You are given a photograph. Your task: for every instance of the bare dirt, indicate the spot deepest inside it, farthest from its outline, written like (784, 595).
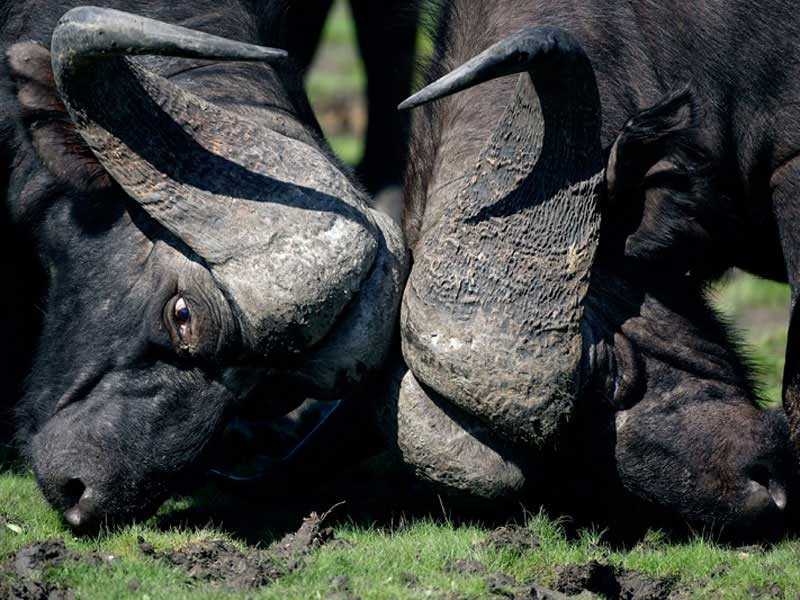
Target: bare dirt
(22, 575)
(594, 580)
(465, 567)
(500, 585)
(612, 583)
(221, 564)
(767, 591)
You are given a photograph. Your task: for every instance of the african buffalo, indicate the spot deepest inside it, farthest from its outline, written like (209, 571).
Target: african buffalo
(202, 247)
(536, 323)
(203, 251)
(727, 197)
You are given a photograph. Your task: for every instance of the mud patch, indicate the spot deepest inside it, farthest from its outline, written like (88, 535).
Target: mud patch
(295, 547)
(22, 575)
(640, 586)
(409, 580)
(500, 585)
(613, 584)
(594, 577)
(767, 591)
(218, 562)
(221, 564)
(28, 589)
(511, 537)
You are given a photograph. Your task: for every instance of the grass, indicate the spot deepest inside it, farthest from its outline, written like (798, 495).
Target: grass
(377, 559)
(378, 562)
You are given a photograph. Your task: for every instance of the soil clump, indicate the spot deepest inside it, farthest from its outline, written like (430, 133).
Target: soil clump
(222, 564)
(22, 575)
(612, 583)
(511, 537)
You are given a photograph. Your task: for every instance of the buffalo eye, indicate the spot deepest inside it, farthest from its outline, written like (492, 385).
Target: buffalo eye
(182, 316)
(182, 324)
(181, 312)
(189, 321)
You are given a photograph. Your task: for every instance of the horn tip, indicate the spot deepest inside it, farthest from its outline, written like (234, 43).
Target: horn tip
(275, 54)
(422, 97)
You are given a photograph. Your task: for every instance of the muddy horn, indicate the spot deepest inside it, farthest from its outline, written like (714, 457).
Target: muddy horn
(491, 316)
(223, 182)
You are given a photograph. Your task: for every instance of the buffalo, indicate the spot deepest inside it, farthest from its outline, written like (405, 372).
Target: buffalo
(724, 197)
(202, 249)
(538, 325)
(204, 254)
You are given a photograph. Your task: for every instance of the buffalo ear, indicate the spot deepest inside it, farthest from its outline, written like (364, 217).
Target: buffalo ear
(649, 138)
(57, 143)
(656, 176)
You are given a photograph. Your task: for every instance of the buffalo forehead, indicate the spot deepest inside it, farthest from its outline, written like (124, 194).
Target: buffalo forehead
(281, 227)
(303, 275)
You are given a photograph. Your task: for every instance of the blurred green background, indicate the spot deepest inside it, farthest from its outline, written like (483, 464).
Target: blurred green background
(336, 85)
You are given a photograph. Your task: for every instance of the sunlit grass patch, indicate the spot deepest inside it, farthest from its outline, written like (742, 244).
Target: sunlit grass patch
(759, 309)
(414, 561)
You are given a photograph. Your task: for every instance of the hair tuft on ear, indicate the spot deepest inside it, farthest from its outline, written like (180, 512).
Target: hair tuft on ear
(662, 201)
(667, 131)
(57, 143)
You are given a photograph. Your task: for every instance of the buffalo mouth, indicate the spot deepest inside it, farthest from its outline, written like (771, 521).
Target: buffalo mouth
(275, 451)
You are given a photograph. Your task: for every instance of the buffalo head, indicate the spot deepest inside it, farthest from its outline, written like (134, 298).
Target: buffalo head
(522, 316)
(200, 255)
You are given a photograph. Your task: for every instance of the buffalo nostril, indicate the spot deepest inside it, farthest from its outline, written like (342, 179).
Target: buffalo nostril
(83, 512)
(778, 494)
(72, 491)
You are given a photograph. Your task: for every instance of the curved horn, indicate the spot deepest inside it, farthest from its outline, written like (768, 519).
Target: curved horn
(276, 221)
(492, 312)
(529, 50)
(87, 33)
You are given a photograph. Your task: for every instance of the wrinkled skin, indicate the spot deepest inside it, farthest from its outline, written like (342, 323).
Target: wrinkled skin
(151, 337)
(661, 399)
(137, 403)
